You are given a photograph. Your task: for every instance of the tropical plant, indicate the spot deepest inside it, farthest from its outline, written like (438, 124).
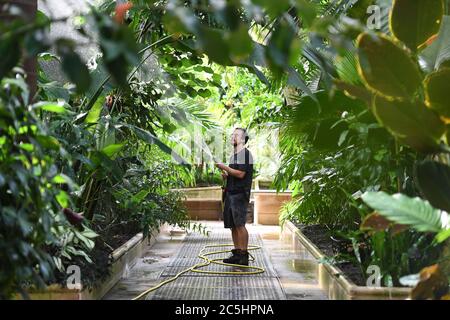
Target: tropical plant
(32, 194)
(407, 98)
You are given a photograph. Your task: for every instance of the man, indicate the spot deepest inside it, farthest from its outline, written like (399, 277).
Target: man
(238, 175)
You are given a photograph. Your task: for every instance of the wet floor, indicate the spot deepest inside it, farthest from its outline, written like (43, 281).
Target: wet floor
(291, 272)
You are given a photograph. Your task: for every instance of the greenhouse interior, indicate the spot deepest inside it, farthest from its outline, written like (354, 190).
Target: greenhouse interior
(218, 151)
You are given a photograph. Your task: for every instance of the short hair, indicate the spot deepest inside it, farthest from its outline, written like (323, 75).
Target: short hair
(246, 137)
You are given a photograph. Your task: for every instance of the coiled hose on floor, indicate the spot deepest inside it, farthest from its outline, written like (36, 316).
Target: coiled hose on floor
(207, 262)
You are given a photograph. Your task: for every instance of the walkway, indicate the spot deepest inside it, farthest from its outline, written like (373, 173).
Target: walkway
(290, 273)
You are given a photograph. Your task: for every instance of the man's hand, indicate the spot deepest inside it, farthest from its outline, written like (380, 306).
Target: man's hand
(221, 166)
(233, 172)
(224, 175)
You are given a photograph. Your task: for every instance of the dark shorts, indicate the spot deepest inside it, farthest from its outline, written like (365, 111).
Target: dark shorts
(235, 210)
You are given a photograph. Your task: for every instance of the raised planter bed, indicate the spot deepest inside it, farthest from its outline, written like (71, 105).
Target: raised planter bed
(122, 260)
(204, 208)
(333, 280)
(204, 203)
(202, 192)
(267, 206)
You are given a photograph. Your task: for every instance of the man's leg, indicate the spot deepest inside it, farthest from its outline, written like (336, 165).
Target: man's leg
(235, 236)
(242, 237)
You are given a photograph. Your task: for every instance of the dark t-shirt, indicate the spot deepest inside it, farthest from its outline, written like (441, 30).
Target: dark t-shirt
(242, 161)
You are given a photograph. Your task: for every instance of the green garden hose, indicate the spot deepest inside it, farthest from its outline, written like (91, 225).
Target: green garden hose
(207, 262)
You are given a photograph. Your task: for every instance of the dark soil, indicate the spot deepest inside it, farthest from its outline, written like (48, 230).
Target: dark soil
(109, 239)
(321, 237)
(118, 235)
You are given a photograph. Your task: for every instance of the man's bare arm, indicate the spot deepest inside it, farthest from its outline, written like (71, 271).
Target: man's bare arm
(235, 173)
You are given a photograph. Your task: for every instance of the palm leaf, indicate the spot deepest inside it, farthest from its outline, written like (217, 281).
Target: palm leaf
(346, 67)
(149, 138)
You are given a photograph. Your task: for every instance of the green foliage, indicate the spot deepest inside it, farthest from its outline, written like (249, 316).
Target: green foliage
(386, 68)
(393, 74)
(144, 197)
(412, 123)
(332, 152)
(414, 22)
(102, 135)
(410, 105)
(400, 254)
(436, 86)
(433, 179)
(31, 189)
(408, 211)
(118, 47)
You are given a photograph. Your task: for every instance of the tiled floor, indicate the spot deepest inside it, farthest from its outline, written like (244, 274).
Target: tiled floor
(290, 273)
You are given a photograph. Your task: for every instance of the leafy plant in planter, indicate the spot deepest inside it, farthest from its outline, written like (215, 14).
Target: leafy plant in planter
(47, 148)
(329, 176)
(409, 99)
(329, 187)
(33, 194)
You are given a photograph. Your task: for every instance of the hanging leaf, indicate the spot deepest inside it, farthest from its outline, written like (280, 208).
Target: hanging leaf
(273, 8)
(152, 139)
(295, 80)
(240, 43)
(433, 180)
(415, 212)
(308, 11)
(63, 199)
(386, 68)
(437, 85)
(94, 113)
(118, 46)
(443, 235)
(415, 21)
(212, 42)
(376, 222)
(50, 107)
(113, 149)
(413, 123)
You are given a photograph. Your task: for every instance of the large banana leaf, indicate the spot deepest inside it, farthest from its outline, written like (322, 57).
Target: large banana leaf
(413, 123)
(415, 22)
(386, 68)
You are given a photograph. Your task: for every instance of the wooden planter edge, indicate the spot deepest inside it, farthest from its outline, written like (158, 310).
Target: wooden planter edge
(126, 254)
(336, 280)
